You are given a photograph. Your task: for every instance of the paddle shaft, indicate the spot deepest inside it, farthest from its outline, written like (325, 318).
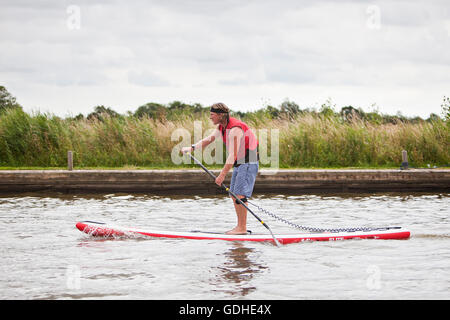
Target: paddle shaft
(234, 196)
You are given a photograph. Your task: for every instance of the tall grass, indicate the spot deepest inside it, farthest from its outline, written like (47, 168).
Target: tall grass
(318, 141)
(307, 140)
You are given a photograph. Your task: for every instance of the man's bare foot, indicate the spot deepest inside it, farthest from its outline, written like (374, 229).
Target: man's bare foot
(236, 231)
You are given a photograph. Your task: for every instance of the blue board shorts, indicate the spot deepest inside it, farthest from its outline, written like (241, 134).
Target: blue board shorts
(243, 179)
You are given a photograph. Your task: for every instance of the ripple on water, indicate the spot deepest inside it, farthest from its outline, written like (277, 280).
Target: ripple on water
(45, 257)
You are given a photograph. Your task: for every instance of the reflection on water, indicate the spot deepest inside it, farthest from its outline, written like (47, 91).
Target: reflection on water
(237, 271)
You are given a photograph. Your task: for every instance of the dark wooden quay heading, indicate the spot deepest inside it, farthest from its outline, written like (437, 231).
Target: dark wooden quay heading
(195, 181)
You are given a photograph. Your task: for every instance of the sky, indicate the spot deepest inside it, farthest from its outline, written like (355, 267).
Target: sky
(66, 57)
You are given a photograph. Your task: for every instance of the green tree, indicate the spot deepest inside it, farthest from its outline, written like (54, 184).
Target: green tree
(7, 101)
(290, 108)
(348, 113)
(273, 112)
(151, 110)
(100, 111)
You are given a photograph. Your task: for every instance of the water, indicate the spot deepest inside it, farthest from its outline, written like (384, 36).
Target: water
(43, 255)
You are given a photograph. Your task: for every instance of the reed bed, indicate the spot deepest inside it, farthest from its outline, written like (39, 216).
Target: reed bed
(308, 140)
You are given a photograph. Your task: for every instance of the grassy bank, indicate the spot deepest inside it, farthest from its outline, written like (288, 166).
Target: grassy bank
(306, 140)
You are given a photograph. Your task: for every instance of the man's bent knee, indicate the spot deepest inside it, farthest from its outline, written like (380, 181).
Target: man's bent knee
(244, 200)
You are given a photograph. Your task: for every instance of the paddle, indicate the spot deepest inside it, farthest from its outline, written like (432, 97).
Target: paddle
(234, 196)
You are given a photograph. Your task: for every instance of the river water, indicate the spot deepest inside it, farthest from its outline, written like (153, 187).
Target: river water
(43, 255)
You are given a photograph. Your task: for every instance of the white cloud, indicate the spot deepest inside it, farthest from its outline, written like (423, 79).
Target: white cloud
(127, 53)
(146, 78)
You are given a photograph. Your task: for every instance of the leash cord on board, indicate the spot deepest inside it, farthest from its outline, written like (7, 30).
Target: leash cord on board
(310, 229)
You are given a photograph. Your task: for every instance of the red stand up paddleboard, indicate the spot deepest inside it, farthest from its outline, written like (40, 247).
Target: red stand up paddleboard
(99, 229)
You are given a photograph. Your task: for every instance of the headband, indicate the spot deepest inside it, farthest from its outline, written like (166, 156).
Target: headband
(215, 110)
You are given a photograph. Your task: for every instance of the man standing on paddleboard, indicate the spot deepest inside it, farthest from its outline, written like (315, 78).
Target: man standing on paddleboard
(242, 149)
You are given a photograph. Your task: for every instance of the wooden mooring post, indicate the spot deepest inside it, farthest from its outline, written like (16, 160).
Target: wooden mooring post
(404, 160)
(69, 160)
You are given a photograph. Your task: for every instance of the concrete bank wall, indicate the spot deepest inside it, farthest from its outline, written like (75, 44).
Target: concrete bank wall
(198, 182)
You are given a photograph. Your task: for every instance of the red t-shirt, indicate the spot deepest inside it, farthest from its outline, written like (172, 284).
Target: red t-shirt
(251, 142)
